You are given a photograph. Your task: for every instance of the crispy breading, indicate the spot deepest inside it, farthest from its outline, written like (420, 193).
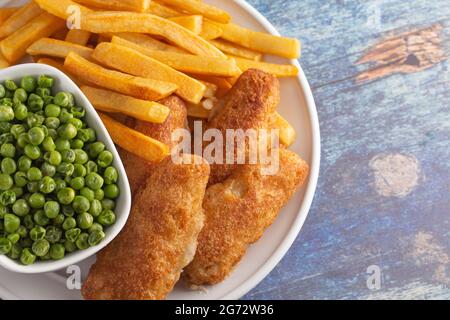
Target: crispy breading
(237, 213)
(159, 239)
(138, 169)
(250, 104)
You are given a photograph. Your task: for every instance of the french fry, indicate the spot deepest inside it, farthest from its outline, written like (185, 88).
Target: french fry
(148, 42)
(57, 48)
(15, 45)
(3, 62)
(197, 111)
(62, 8)
(5, 13)
(110, 101)
(193, 23)
(61, 34)
(210, 31)
(199, 7)
(78, 36)
(135, 142)
(287, 133)
(133, 62)
(20, 18)
(236, 50)
(261, 42)
(279, 70)
(137, 87)
(60, 66)
(162, 11)
(211, 89)
(121, 5)
(104, 22)
(223, 86)
(186, 62)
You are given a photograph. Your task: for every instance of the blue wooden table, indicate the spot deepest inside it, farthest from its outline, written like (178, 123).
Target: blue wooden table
(379, 226)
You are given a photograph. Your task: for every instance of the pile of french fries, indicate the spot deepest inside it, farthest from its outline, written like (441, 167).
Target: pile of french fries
(127, 55)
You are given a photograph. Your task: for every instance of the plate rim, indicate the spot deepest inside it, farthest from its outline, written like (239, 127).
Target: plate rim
(308, 197)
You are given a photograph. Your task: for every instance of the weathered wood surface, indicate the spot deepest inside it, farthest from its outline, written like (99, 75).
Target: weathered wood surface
(379, 71)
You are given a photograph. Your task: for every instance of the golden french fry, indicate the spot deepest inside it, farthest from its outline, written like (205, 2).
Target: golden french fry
(236, 50)
(78, 36)
(133, 62)
(20, 18)
(15, 45)
(279, 70)
(61, 34)
(287, 133)
(57, 48)
(197, 111)
(121, 5)
(141, 88)
(63, 8)
(223, 86)
(135, 142)
(60, 66)
(5, 13)
(261, 42)
(199, 7)
(186, 62)
(148, 42)
(192, 23)
(210, 31)
(110, 101)
(104, 22)
(162, 11)
(3, 62)
(211, 89)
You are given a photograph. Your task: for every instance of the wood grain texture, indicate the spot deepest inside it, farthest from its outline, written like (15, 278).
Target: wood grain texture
(379, 71)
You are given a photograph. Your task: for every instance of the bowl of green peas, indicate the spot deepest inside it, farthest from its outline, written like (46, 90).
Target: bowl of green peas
(64, 193)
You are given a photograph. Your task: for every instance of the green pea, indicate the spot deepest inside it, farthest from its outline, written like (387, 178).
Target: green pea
(65, 116)
(62, 144)
(17, 129)
(69, 223)
(95, 208)
(52, 110)
(37, 233)
(59, 219)
(28, 83)
(111, 191)
(99, 194)
(77, 123)
(65, 168)
(45, 257)
(37, 200)
(82, 241)
(26, 257)
(106, 218)
(96, 148)
(14, 237)
(60, 184)
(51, 209)
(6, 138)
(87, 193)
(33, 186)
(62, 99)
(40, 247)
(94, 181)
(2, 91)
(17, 190)
(20, 95)
(57, 251)
(5, 246)
(8, 150)
(6, 113)
(53, 234)
(21, 208)
(77, 183)
(91, 166)
(7, 197)
(22, 231)
(79, 170)
(47, 185)
(68, 155)
(95, 227)
(48, 144)
(66, 195)
(95, 237)
(73, 234)
(105, 158)
(16, 251)
(78, 112)
(8, 166)
(108, 204)
(81, 156)
(35, 102)
(33, 152)
(24, 163)
(10, 85)
(67, 131)
(21, 112)
(28, 221)
(76, 144)
(68, 210)
(34, 174)
(36, 135)
(7, 101)
(45, 81)
(81, 204)
(11, 223)
(70, 246)
(55, 158)
(84, 135)
(3, 210)
(35, 120)
(48, 170)
(40, 218)
(53, 134)
(44, 93)
(22, 140)
(52, 123)
(6, 182)
(111, 175)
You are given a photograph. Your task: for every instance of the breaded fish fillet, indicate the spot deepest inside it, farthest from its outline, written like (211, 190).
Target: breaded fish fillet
(250, 104)
(237, 213)
(138, 169)
(159, 239)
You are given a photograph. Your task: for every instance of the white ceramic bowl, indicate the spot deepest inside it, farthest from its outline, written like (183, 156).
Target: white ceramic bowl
(123, 203)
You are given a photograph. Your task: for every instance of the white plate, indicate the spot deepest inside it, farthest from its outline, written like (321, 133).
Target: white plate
(297, 105)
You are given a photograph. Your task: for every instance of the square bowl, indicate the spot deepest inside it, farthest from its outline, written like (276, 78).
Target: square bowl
(123, 202)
